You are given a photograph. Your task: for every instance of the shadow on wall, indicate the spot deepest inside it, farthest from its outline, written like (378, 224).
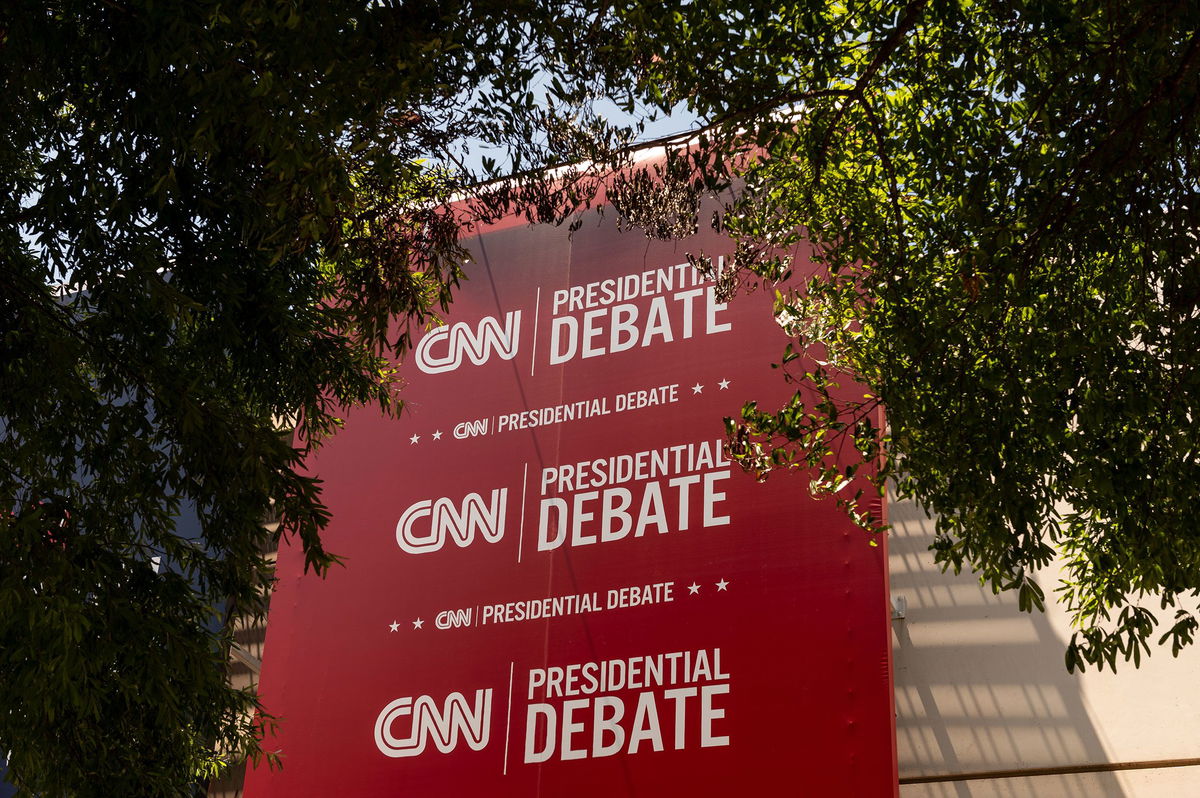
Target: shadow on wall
(980, 686)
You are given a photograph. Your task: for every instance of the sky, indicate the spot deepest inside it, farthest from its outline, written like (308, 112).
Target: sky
(679, 121)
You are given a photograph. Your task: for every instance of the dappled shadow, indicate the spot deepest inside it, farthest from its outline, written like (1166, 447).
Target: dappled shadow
(982, 687)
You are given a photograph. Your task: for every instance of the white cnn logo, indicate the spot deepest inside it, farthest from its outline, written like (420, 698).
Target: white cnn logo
(444, 726)
(476, 345)
(447, 520)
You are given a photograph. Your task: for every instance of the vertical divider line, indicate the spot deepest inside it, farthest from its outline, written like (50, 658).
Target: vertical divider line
(537, 309)
(508, 718)
(521, 527)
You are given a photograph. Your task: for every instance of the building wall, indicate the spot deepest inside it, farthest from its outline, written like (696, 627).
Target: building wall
(985, 706)
(6, 789)
(251, 638)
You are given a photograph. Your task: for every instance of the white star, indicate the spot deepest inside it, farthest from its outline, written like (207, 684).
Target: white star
(723, 384)
(722, 584)
(437, 436)
(415, 438)
(418, 623)
(693, 589)
(697, 388)
(394, 626)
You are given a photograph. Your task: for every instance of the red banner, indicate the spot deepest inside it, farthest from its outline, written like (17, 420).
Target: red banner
(556, 582)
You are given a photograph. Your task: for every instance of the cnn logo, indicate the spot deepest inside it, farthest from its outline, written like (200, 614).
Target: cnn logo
(443, 349)
(426, 525)
(443, 725)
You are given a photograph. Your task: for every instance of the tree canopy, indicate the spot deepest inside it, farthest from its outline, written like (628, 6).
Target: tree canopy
(1004, 198)
(214, 212)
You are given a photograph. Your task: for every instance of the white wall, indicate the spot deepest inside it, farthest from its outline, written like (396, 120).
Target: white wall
(982, 687)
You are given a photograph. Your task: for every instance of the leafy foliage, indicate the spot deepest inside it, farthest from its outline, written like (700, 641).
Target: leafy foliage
(1004, 199)
(217, 221)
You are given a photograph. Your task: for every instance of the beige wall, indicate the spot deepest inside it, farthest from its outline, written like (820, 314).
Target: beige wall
(251, 637)
(982, 687)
